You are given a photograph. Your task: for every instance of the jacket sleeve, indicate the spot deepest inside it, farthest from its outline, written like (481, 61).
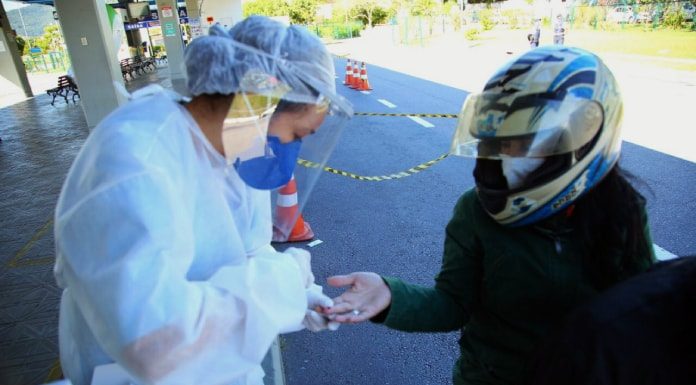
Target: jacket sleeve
(648, 237)
(447, 305)
(124, 253)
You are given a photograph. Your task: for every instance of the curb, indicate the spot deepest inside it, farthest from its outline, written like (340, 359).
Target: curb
(273, 365)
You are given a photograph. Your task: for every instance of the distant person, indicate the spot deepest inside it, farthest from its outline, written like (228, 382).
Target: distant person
(558, 30)
(551, 223)
(641, 331)
(535, 34)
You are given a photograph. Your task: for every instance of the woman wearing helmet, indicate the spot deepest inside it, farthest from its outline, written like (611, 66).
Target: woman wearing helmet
(550, 224)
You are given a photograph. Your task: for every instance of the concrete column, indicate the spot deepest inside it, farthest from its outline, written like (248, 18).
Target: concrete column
(192, 8)
(90, 42)
(11, 66)
(173, 43)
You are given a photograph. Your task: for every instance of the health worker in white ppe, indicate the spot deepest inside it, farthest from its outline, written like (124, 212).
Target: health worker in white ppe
(163, 225)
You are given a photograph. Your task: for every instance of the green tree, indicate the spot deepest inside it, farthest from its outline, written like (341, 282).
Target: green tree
(52, 38)
(423, 7)
(266, 8)
(21, 43)
(303, 11)
(370, 11)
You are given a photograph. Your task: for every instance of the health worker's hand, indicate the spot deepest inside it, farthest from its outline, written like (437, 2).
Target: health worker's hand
(304, 261)
(366, 297)
(316, 322)
(316, 299)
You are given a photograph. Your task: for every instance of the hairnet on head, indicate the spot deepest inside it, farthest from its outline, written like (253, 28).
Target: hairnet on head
(257, 55)
(209, 64)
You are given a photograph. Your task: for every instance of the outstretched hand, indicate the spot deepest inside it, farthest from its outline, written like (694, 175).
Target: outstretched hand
(367, 295)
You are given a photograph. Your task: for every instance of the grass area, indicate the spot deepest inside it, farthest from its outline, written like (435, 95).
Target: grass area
(660, 47)
(637, 40)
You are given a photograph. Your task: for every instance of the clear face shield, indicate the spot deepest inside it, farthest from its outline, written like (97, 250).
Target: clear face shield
(323, 120)
(285, 117)
(245, 127)
(490, 127)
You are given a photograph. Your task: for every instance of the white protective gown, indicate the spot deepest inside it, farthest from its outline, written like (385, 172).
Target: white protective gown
(164, 256)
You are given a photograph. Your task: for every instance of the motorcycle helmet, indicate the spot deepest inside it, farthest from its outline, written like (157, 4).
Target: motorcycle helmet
(545, 130)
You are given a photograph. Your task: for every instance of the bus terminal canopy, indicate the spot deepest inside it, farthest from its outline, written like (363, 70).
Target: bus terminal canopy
(41, 2)
(50, 2)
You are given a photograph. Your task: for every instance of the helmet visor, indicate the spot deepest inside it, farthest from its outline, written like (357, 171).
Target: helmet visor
(494, 126)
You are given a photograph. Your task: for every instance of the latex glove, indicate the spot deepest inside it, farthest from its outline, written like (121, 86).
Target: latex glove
(314, 321)
(304, 260)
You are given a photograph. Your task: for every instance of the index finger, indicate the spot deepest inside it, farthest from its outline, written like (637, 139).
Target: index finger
(341, 280)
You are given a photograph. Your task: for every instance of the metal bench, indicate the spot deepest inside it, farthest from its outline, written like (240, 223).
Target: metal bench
(65, 86)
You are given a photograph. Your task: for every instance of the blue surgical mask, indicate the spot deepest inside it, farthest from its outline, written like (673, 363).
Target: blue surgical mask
(273, 170)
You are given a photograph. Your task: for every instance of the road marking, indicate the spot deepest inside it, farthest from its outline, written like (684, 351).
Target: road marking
(365, 92)
(315, 242)
(18, 261)
(386, 103)
(662, 254)
(422, 122)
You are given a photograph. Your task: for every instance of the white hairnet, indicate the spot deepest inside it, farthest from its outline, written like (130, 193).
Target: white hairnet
(256, 52)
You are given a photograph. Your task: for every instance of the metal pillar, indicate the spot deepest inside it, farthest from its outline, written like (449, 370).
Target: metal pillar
(173, 43)
(11, 66)
(89, 38)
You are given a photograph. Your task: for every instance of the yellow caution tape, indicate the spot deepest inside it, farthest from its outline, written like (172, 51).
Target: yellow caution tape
(448, 116)
(377, 178)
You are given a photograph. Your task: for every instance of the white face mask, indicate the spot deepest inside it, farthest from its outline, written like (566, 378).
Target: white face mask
(517, 169)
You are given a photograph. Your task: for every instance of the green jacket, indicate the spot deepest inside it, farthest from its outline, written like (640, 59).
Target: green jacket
(504, 287)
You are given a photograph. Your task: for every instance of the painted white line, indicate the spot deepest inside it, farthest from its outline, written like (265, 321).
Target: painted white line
(662, 254)
(387, 103)
(422, 122)
(315, 242)
(365, 92)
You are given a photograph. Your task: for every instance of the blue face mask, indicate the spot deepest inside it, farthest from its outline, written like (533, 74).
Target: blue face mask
(269, 172)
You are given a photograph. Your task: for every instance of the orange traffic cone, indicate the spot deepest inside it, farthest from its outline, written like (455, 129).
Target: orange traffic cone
(355, 82)
(364, 83)
(349, 74)
(286, 212)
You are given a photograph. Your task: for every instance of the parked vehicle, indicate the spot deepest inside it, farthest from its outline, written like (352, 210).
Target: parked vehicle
(643, 17)
(688, 9)
(621, 14)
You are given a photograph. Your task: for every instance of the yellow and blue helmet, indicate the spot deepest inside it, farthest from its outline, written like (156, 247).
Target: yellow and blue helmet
(555, 110)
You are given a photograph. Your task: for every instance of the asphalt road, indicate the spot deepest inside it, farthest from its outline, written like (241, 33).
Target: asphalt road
(397, 227)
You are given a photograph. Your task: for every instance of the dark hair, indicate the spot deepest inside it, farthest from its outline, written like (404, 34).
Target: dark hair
(611, 221)
(287, 106)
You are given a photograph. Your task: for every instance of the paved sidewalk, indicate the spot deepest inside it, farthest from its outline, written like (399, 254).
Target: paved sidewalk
(39, 143)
